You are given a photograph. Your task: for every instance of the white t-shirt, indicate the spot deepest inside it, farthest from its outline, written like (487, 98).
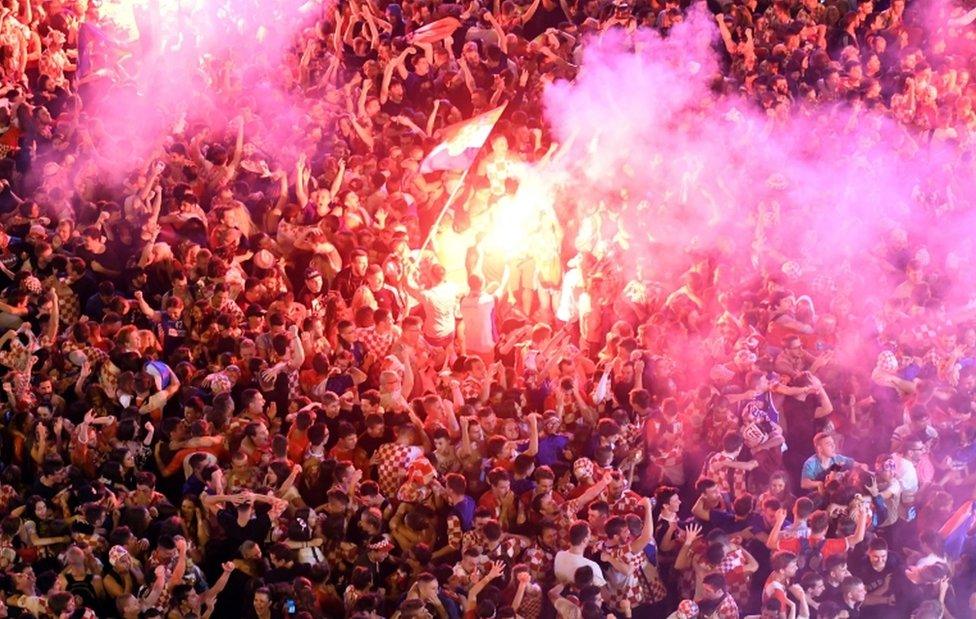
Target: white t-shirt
(569, 296)
(441, 310)
(566, 564)
(906, 474)
(477, 314)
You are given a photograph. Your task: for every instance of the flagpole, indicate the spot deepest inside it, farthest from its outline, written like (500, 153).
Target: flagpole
(474, 163)
(447, 205)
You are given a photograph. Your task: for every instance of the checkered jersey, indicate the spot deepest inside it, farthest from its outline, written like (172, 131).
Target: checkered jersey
(392, 460)
(540, 562)
(731, 481)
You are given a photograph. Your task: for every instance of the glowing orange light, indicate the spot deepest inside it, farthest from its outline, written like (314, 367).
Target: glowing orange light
(517, 220)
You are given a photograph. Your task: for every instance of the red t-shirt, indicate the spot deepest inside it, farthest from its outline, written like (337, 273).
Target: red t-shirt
(832, 546)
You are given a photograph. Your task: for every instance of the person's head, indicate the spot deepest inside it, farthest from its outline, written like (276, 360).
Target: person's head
(252, 402)
(913, 448)
(933, 609)
(852, 590)
(174, 307)
(709, 490)
(794, 346)
(778, 483)
(257, 433)
(878, 554)
(262, 600)
(825, 445)
(280, 555)
(743, 506)
(358, 262)
(813, 583)
(784, 563)
(668, 500)
(313, 280)
(412, 326)
(769, 508)
(617, 531)
(640, 400)
(597, 513)
(819, 522)
(128, 606)
(732, 443)
(427, 585)
(74, 557)
(771, 609)
(93, 239)
(830, 609)
(579, 533)
(714, 586)
(470, 52)
(835, 568)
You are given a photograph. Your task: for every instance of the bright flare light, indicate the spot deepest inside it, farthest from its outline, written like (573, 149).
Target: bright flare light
(517, 220)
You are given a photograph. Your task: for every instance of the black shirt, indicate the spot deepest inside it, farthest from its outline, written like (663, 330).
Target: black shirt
(370, 444)
(107, 260)
(543, 19)
(346, 283)
(256, 529)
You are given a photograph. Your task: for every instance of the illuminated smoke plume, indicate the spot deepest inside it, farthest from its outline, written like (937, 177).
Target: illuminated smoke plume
(200, 61)
(813, 198)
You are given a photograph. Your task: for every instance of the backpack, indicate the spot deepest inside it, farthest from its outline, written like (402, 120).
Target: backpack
(811, 555)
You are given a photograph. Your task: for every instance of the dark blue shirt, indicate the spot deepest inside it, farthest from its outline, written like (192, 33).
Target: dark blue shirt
(551, 449)
(465, 512)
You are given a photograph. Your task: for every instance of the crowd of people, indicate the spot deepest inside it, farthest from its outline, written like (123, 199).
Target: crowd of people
(233, 385)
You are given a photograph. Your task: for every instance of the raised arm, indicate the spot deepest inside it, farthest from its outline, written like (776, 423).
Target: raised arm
(51, 333)
(238, 147)
(595, 490)
(433, 117)
(683, 561)
(530, 12)
(466, 73)
(364, 135)
(301, 180)
(647, 533)
(209, 597)
(533, 435)
(497, 28)
(337, 35)
(826, 407)
(363, 96)
(144, 307)
(337, 181)
(723, 29)
(496, 570)
(772, 542)
(862, 516)
(180, 568)
(297, 358)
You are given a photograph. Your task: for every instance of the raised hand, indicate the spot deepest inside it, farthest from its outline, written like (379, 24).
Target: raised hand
(497, 569)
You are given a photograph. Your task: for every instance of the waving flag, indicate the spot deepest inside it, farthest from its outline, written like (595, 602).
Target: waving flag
(956, 529)
(461, 143)
(434, 31)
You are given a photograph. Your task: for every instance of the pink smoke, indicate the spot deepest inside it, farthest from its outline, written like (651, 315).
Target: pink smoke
(811, 196)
